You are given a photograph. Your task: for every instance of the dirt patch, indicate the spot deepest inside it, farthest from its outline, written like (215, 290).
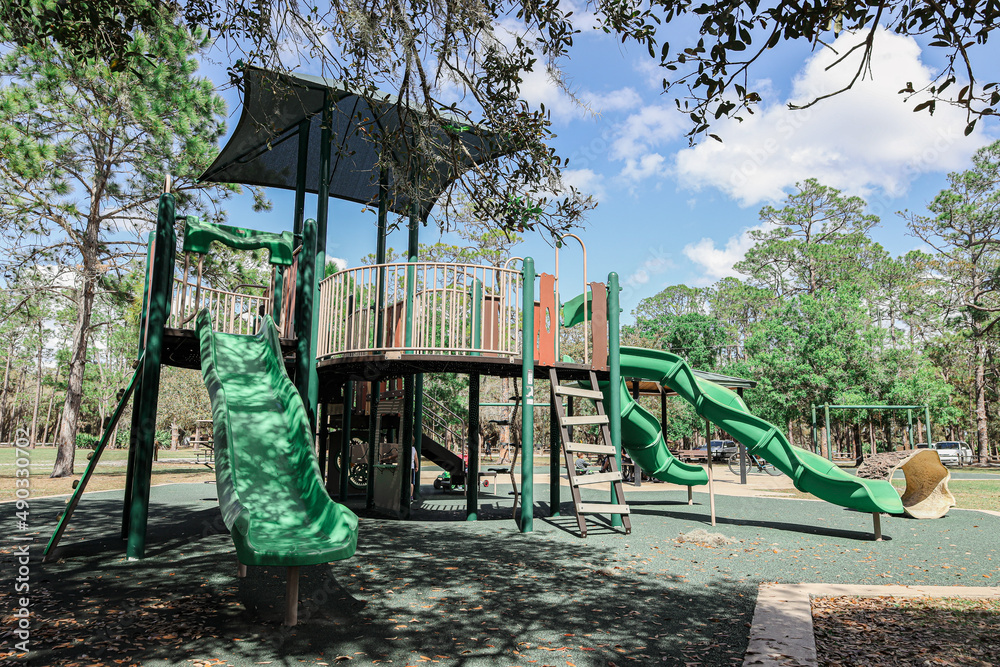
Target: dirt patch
(893, 631)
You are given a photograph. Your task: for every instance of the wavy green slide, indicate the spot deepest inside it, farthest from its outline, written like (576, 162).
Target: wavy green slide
(643, 440)
(269, 484)
(811, 473)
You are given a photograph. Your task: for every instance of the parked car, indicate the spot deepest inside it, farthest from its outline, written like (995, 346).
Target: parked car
(954, 452)
(722, 449)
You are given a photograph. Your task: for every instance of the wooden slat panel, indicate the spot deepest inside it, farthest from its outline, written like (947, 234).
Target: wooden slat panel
(584, 420)
(597, 478)
(578, 391)
(603, 508)
(587, 448)
(599, 327)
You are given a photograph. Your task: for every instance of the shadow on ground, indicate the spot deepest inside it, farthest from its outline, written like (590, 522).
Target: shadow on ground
(458, 593)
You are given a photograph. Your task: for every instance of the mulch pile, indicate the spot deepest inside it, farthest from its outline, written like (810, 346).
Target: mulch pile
(894, 631)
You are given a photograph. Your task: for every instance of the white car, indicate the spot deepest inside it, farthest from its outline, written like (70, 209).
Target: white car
(954, 452)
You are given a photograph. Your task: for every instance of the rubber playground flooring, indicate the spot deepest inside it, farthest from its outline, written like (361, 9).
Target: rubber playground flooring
(429, 591)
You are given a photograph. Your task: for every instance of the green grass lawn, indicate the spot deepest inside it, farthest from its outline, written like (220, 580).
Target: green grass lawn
(42, 458)
(110, 472)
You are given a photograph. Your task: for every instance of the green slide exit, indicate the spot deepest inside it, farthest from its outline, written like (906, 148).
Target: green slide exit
(810, 473)
(269, 484)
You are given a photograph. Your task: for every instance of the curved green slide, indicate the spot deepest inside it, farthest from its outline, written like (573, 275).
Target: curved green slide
(641, 434)
(269, 484)
(811, 473)
(643, 439)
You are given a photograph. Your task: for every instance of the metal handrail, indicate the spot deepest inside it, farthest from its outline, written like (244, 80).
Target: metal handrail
(438, 425)
(232, 312)
(426, 307)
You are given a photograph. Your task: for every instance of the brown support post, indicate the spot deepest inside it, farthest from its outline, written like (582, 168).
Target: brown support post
(241, 570)
(292, 596)
(877, 520)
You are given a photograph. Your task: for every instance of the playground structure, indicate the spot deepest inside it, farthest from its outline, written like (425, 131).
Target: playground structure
(358, 343)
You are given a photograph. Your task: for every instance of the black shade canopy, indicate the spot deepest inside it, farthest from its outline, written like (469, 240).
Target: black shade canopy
(264, 148)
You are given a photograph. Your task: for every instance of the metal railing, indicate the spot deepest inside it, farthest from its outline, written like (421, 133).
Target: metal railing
(232, 312)
(440, 421)
(421, 307)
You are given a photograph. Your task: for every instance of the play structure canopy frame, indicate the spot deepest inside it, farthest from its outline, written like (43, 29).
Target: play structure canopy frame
(283, 111)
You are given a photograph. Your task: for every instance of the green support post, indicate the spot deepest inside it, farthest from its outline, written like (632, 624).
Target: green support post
(383, 216)
(418, 428)
(305, 358)
(276, 297)
(373, 438)
(411, 284)
(345, 439)
(909, 428)
(137, 392)
(477, 316)
(614, 377)
(927, 424)
(829, 436)
(527, 517)
(815, 437)
(300, 178)
(405, 461)
(158, 309)
(555, 448)
(472, 473)
(319, 265)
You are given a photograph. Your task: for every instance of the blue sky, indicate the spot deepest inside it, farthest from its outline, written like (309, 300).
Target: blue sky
(671, 214)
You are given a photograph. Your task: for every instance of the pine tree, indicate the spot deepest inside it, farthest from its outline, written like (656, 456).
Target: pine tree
(84, 147)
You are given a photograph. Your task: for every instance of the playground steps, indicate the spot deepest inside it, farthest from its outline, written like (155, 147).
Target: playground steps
(570, 448)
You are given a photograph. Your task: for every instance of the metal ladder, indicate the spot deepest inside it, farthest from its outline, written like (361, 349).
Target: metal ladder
(570, 448)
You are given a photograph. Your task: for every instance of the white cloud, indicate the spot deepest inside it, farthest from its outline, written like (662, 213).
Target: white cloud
(587, 181)
(862, 140)
(339, 262)
(658, 262)
(639, 136)
(717, 263)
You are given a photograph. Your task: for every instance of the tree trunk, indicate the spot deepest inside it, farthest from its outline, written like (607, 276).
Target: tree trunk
(74, 389)
(3, 397)
(982, 431)
(52, 399)
(33, 438)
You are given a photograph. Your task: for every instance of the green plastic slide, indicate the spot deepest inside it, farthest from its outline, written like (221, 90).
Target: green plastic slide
(643, 440)
(811, 473)
(269, 484)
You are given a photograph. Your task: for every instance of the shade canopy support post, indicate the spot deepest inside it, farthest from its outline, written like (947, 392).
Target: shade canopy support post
(527, 514)
(472, 472)
(158, 309)
(614, 377)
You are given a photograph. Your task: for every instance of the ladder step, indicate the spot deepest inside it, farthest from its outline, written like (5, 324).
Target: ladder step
(597, 478)
(589, 449)
(577, 391)
(584, 420)
(602, 508)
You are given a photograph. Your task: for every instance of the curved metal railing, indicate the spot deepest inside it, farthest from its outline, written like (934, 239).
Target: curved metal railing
(425, 307)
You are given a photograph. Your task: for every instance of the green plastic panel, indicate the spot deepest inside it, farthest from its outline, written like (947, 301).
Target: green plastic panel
(811, 473)
(199, 235)
(269, 484)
